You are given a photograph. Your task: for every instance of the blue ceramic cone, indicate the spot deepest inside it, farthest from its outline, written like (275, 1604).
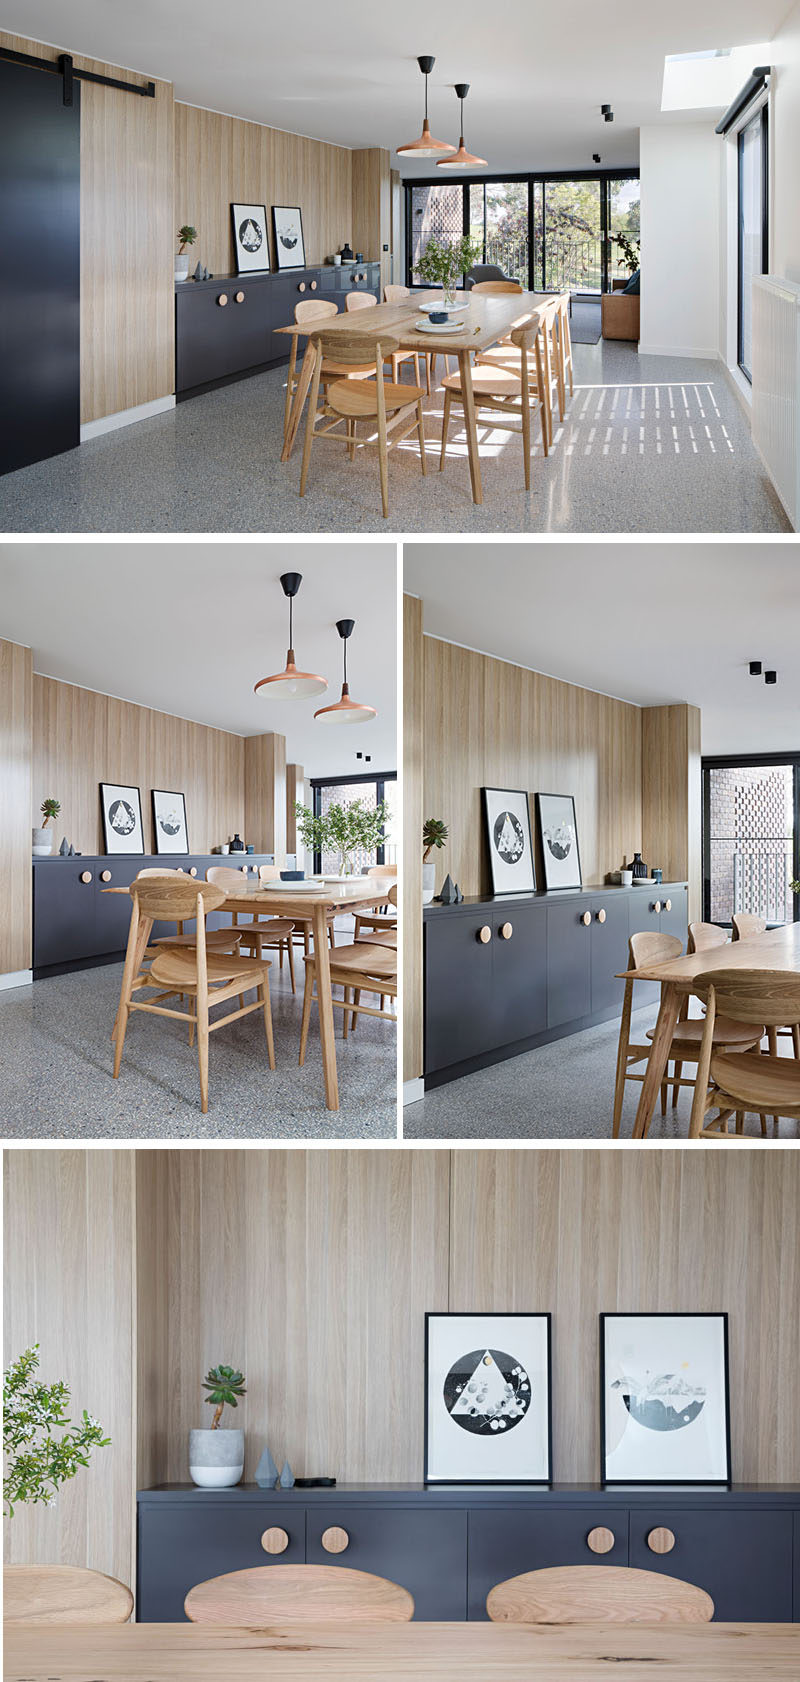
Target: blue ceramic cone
(287, 1476)
(266, 1471)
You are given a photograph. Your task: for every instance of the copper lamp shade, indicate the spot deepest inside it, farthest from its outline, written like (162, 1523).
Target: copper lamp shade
(291, 684)
(462, 159)
(425, 146)
(345, 711)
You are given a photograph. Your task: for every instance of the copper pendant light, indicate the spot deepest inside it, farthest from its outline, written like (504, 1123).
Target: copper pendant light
(426, 146)
(290, 684)
(462, 159)
(346, 711)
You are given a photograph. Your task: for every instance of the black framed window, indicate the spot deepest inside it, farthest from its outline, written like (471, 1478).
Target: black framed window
(372, 786)
(751, 836)
(753, 226)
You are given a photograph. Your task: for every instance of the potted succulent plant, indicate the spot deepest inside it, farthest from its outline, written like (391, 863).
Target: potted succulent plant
(187, 236)
(434, 834)
(42, 842)
(216, 1457)
(443, 262)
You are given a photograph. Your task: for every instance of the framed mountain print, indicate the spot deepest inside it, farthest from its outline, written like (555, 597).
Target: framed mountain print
(559, 835)
(487, 1398)
(665, 1415)
(250, 237)
(508, 838)
(287, 234)
(122, 818)
(169, 822)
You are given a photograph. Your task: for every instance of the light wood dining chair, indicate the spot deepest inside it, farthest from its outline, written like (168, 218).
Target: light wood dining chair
(63, 1594)
(380, 924)
(217, 940)
(307, 312)
(545, 373)
(360, 301)
(504, 391)
(746, 926)
(644, 950)
(209, 978)
(564, 342)
(392, 407)
(398, 295)
(734, 1082)
(298, 1594)
(597, 1594)
(704, 937)
(359, 968)
(262, 933)
(496, 286)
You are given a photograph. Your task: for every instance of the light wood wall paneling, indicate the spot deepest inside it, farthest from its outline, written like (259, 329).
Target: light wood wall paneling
(372, 208)
(222, 160)
(265, 794)
(671, 796)
(152, 1346)
(579, 1232)
(295, 795)
(127, 238)
(489, 723)
(81, 739)
(413, 819)
(16, 815)
(69, 1286)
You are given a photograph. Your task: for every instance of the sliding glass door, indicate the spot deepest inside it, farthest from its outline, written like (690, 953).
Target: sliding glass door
(498, 215)
(624, 227)
(370, 789)
(753, 226)
(750, 837)
(572, 258)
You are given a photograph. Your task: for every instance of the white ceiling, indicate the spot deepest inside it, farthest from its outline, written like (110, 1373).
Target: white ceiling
(348, 73)
(189, 628)
(650, 623)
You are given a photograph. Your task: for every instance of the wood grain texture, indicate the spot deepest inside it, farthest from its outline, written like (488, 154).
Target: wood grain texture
(488, 723)
(222, 160)
(265, 794)
(413, 818)
(81, 739)
(295, 795)
(151, 1339)
(16, 809)
(671, 797)
(297, 1594)
(69, 1286)
(372, 208)
(63, 1594)
(594, 1594)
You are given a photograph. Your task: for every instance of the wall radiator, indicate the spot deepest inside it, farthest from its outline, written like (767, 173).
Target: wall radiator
(776, 386)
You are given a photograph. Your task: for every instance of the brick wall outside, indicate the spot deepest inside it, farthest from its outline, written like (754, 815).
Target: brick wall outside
(750, 826)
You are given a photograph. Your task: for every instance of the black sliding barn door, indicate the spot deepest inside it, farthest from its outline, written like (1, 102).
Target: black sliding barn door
(39, 266)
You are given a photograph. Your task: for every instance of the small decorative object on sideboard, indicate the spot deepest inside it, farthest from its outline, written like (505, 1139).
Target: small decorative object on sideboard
(187, 236)
(657, 875)
(65, 848)
(346, 253)
(42, 843)
(216, 1457)
(434, 834)
(451, 893)
(508, 839)
(266, 1471)
(250, 241)
(287, 1476)
(287, 235)
(237, 844)
(638, 868)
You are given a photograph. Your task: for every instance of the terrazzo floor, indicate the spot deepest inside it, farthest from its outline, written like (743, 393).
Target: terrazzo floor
(648, 444)
(562, 1091)
(56, 1059)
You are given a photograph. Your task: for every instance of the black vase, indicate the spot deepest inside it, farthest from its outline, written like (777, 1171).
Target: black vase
(347, 255)
(237, 844)
(637, 868)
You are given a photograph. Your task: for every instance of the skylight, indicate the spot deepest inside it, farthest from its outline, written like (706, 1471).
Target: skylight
(708, 80)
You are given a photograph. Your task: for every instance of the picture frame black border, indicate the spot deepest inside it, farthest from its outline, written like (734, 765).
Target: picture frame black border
(566, 888)
(177, 794)
(265, 268)
(491, 1314)
(135, 852)
(276, 242)
(523, 792)
(664, 1483)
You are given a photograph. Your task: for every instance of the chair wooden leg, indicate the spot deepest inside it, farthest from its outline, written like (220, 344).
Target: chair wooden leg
(740, 1121)
(121, 1027)
(676, 1070)
(416, 368)
(356, 1003)
(526, 439)
(421, 431)
(311, 418)
(772, 1042)
(348, 993)
(331, 939)
(307, 995)
(622, 1056)
(428, 360)
(383, 461)
(664, 1095)
(202, 1053)
(291, 964)
(263, 995)
(448, 398)
(763, 1120)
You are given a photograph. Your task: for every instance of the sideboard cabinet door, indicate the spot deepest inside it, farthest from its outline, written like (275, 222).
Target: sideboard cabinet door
(569, 949)
(426, 1552)
(184, 1545)
(458, 988)
(503, 1544)
(742, 1559)
(519, 980)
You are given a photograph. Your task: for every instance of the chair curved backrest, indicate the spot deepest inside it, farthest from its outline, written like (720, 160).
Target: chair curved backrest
(652, 948)
(704, 936)
(289, 1594)
(269, 873)
(357, 348)
(746, 925)
(173, 899)
(764, 997)
(223, 876)
(396, 294)
(484, 271)
(360, 301)
(393, 896)
(496, 286)
(382, 870)
(63, 1594)
(156, 870)
(597, 1594)
(314, 309)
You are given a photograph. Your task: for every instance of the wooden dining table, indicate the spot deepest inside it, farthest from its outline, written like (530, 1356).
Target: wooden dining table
(399, 1652)
(254, 898)
(776, 949)
(488, 317)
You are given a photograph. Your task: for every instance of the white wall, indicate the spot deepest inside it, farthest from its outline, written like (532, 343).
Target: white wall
(680, 183)
(785, 141)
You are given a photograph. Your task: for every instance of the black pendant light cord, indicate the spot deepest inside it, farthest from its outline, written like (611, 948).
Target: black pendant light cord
(345, 660)
(291, 605)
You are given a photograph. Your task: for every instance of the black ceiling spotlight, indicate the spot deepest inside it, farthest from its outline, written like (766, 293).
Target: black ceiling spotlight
(607, 113)
(595, 157)
(755, 668)
(770, 677)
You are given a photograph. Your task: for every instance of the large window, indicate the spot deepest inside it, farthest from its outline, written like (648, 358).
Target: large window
(753, 227)
(750, 837)
(371, 789)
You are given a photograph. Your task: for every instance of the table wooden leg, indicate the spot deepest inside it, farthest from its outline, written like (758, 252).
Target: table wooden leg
(325, 1007)
(659, 1057)
(298, 402)
(468, 400)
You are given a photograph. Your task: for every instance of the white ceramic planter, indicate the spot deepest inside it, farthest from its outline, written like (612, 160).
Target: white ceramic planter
(216, 1458)
(181, 268)
(428, 881)
(42, 840)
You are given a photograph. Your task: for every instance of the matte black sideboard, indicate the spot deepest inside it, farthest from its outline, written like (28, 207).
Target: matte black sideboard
(504, 973)
(449, 1547)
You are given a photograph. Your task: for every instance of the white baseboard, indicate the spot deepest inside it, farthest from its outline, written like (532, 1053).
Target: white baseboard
(690, 351)
(413, 1090)
(16, 978)
(125, 417)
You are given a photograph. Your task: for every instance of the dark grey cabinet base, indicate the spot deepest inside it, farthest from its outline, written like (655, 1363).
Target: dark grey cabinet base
(449, 1547)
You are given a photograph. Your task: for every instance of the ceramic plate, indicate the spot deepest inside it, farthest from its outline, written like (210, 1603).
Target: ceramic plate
(424, 326)
(452, 309)
(290, 887)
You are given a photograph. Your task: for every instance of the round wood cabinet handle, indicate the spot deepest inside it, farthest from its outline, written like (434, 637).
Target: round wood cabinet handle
(222, 300)
(485, 935)
(600, 1540)
(335, 1540)
(668, 905)
(86, 875)
(586, 917)
(506, 931)
(601, 916)
(656, 905)
(275, 1540)
(238, 298)
(193, 870)
(661, 1540)
(313, 286)
(301, 286)
(105, 876)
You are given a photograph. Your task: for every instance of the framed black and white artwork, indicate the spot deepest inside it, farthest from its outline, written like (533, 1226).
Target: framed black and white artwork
(169, 822)
(250, 237)
(559, 835)
(508, 838)
(287, 234)
(488, 1413)
(665, 1413)
(122, 818)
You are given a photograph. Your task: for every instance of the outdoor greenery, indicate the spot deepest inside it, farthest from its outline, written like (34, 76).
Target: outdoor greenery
(344, 830)
(629, 251)
(49, 809)
(226, 1385)
(187, 236)
(443, 262)
(434, 834)
(42, 1447)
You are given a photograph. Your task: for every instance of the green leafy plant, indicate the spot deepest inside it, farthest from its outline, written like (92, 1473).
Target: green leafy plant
(42, 1447)
(49, 810)
(795, 887)
(434, 834)
(344, 830)
(187, 236)
(443, 262)
(226, 1385)
(629, 251)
